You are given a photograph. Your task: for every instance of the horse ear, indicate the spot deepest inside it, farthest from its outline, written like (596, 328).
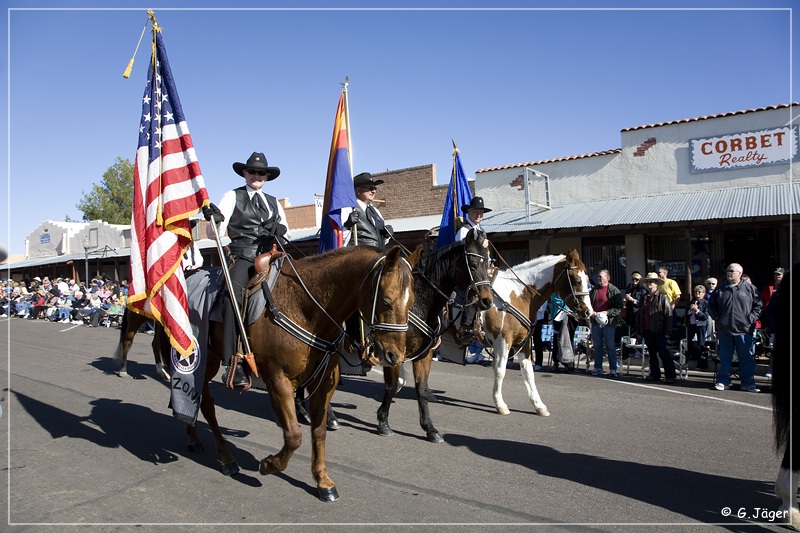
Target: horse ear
(415, 255)
(572, 256)
(393, 255)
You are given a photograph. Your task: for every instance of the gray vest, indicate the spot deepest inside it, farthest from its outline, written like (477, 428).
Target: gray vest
(245, 226)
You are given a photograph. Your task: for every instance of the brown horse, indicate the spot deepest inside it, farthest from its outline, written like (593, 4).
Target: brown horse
(519, 293)
(461, 265)
(316, 294)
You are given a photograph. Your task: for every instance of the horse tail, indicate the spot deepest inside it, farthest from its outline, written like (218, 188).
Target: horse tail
(785, 406)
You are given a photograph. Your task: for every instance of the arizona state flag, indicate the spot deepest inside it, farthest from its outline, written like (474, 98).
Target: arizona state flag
(340, 196)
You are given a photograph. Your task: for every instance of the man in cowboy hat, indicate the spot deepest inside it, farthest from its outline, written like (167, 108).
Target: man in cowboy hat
(253, 220)
(655, 323)
(370, 229)
(474, 212)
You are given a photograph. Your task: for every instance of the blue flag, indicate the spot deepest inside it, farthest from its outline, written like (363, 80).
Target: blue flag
(458, 194)
(339, 192)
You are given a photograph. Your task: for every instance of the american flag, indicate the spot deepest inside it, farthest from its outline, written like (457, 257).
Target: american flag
(168, 188)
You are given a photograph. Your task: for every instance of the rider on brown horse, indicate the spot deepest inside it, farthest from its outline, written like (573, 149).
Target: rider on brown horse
(253, 220)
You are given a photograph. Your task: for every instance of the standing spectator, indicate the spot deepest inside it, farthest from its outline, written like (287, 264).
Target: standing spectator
(607, 304)
(560, 327)
(770, 288)
(542, 318)
(253, 220)
(365, 222)
(633, 291)
(696, 316)
(669, 287)
(655, 323)
(735, 307)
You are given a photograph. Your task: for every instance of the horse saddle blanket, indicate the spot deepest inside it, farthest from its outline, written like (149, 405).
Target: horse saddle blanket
(256, 301)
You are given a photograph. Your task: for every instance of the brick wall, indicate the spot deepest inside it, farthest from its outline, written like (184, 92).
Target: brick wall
(407, 192)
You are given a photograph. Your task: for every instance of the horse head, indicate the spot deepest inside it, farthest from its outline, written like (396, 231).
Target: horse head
(473, 275)
(386, 304)
(572, 284)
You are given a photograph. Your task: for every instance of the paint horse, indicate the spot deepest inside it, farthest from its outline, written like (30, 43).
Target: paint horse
(460, 265)
(297, 344)
(785, 405)
(519, 293)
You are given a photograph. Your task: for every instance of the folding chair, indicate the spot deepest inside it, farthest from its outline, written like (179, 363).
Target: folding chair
(681, 362)
(629, 347)
(581, 342)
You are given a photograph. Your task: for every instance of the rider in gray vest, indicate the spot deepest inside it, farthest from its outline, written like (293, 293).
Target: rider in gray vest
(366, 221)
(253, 220)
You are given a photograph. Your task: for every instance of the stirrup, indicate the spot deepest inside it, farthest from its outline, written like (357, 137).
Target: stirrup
(230, 373)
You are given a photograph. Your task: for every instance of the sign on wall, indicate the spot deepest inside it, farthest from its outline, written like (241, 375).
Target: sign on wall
(772, 146)
(44, 238)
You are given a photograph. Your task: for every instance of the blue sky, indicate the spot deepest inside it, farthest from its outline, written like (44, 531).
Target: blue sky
(510, 85)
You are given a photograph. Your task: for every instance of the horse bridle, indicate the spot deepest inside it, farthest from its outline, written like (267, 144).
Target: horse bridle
(573, 294)
(381, 326)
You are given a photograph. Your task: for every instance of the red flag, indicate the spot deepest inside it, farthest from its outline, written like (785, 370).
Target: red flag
(168, 188)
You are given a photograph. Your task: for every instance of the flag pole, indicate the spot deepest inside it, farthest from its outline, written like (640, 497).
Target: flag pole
(454, 182)
(347, 122)
(248, 356)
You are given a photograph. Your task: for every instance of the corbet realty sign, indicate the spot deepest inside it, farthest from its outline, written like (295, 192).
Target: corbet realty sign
(740, 150)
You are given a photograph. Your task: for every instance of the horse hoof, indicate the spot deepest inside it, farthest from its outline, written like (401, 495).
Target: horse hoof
(266, 468)
(503, 410)
(196, 447)
(328, 495)
(230, 469)
(333, 425)
(385, 431)
(435, 437)
(542, 411)
(123, 374)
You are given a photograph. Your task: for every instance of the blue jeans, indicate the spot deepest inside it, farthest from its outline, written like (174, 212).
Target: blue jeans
(743, 344)
(604, 336)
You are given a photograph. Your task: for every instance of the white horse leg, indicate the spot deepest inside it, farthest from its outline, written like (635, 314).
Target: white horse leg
(786, 490)
(526, 367)
(499, 365)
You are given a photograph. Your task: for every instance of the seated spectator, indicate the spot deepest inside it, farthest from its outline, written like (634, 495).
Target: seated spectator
(81, 304)
(97, 311)
(64, 309)
(39, 306)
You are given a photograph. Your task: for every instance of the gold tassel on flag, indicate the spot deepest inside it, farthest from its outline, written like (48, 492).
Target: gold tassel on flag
(127, 72)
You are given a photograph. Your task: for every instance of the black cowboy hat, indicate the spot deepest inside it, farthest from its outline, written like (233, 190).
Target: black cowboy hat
(476, 203)
(257, 161)
(365, 180)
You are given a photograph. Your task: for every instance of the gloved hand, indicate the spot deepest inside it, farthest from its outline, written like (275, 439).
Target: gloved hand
(211, 211)
(279, 230)
(387, 231)
(352, 220)
(264, 242)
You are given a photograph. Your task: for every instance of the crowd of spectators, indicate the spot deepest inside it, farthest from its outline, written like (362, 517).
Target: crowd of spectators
(64, 300)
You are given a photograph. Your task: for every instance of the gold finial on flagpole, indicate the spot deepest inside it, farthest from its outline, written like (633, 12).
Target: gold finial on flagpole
(128, 69)
(455, 148)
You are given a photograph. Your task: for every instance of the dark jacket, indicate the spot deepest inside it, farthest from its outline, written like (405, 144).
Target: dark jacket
(615, 303)
(735, 309)
(659, 311)
(701, 315)
(369, 234)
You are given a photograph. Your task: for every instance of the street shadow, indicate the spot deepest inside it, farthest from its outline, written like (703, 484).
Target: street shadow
(696, 495)
(150, 436)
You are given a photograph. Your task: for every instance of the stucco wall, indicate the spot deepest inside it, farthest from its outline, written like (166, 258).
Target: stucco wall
(652, 160)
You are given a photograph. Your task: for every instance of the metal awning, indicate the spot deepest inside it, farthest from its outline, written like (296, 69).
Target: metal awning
(718, 204)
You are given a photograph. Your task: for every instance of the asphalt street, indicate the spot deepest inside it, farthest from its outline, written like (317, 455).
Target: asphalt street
(90, 450)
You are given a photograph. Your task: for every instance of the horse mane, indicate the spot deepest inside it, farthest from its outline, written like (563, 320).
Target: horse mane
(436, 265)
(535, 264)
